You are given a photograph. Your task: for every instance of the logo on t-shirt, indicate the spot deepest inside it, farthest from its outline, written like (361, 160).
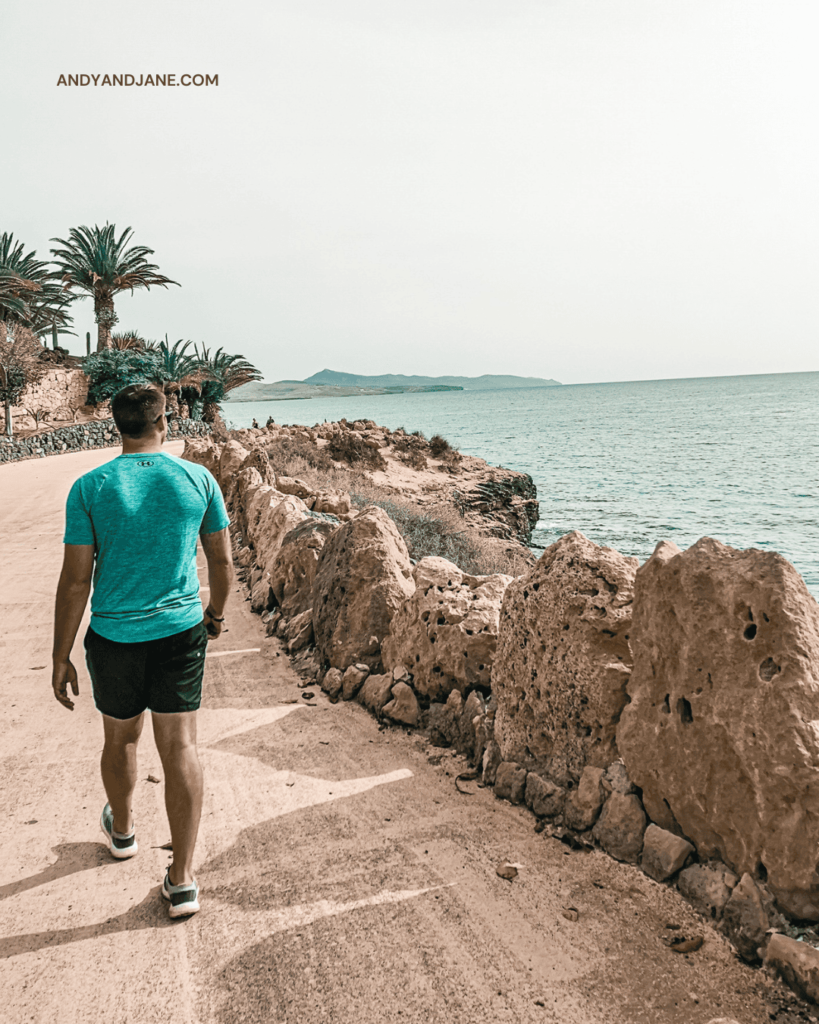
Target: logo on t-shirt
(147, 463)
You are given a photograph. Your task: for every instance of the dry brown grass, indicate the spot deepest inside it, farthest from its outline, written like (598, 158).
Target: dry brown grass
(429, 530)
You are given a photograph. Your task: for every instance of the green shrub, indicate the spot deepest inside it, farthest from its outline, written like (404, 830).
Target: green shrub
(112, 370)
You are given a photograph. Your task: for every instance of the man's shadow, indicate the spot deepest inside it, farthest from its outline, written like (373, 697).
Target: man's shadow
(71, 858)
(150, 913)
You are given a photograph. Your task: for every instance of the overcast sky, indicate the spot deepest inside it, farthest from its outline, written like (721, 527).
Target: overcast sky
(588, 190)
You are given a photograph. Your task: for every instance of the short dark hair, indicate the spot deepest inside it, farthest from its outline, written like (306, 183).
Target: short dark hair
(137, 408)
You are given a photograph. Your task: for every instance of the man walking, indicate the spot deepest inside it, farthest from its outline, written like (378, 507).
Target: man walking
(132, 523)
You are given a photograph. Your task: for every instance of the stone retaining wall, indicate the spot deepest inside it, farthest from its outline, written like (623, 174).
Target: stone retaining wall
(97, 434)
(664, 713)
(61, 392)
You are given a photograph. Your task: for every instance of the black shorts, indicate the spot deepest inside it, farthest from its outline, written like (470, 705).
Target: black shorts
(162, 675)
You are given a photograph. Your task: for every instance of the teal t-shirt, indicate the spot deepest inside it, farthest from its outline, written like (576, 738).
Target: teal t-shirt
(143, 513)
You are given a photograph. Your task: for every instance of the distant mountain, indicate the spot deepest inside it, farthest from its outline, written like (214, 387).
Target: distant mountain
(486, 382)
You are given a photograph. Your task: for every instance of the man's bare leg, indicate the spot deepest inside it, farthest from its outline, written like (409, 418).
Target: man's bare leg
(176, 742)
(118, 766)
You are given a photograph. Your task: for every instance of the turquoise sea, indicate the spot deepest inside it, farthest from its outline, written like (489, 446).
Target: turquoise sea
(630, 464)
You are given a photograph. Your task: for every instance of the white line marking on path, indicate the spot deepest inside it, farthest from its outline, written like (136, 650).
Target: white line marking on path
(245, 650)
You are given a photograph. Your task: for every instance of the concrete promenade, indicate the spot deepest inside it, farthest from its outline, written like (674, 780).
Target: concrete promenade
(344, 879)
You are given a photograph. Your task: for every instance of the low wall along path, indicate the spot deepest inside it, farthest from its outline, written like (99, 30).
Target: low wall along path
(663, 713)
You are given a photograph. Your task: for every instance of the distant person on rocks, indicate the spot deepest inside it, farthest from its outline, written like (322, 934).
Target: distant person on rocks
(255, 423)
(270, 422)
(133, 522)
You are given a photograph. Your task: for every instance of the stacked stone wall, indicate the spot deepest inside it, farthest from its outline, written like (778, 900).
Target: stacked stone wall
(60, 394)
(80, 436)
(664, 714)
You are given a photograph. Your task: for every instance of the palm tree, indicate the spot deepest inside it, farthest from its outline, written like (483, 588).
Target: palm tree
(28, 293)
(122, 340)
(96, 262)
(176, 369)
(220, 373)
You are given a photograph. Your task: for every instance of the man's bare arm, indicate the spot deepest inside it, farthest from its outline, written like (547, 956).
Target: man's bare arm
(72, 597)
(220, 576)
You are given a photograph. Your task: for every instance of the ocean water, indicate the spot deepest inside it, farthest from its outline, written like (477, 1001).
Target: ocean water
(631, 464)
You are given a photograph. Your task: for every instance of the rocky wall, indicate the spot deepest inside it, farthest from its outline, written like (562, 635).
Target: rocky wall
(60, 393)
(664, 714)
(80, 436)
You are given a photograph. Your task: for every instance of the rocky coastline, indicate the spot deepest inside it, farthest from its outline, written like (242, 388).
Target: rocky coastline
(661, 713)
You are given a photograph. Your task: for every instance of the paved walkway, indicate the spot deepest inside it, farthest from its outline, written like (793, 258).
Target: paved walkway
(343, 878)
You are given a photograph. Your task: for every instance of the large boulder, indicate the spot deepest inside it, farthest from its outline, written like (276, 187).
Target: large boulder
(563, 659)
(333, 501)
(364, 575)
(271, 517)
(294, 568)
(232, 456)
(447, 633)
(722, 732)
(259, 460)
(242, 492)
(205, 451)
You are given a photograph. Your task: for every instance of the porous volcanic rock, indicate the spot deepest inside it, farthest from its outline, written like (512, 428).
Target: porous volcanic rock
(445, 635)
(260, 461)
(270, 517)
(294, 568)
(543, 797)
(404, 705)
(504, 499)
(747, 916)
(621, 827)
(336, 502)
(663, 853)
(292, 485)
(797, 962)
(352, 681)
(510, 782)
(708, 887)
(232, 457)
(205, 451)
(583, 804)
(376, 692)
(563, 659)
(364, 575)
(721, 734)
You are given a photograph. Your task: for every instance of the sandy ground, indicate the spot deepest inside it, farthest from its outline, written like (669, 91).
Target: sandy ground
(344, 879)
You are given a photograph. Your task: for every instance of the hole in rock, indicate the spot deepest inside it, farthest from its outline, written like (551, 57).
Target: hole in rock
(525, 593)
(566, 626)
(666, 707)
(417, 658)
(436, 669)
(761, 872)
(750, 632)
(765, 617)
(441, 620)
(684, 711)
(535, 587)
(768, 669)
(750, 615)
